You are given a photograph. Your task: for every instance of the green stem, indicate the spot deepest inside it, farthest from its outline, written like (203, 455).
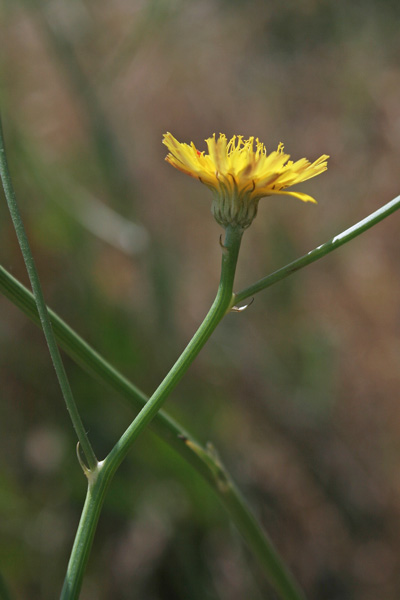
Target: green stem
(41, 306)
(163, 425)
(105, 471)
(217, 311)
(96, 491)
(246, 523)
(205, 463)
(321, 251)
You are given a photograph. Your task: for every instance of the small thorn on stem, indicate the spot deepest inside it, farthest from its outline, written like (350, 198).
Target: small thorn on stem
(84, 467)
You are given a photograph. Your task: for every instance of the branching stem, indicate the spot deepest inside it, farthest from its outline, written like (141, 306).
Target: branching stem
(320, 251)
(105, 470)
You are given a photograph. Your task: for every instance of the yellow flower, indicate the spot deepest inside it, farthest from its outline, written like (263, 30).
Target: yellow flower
(239, 175)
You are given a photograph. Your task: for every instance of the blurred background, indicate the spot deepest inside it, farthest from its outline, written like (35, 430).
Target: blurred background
(300, 393)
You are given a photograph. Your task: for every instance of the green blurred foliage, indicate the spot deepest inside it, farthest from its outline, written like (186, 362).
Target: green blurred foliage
(300, 392)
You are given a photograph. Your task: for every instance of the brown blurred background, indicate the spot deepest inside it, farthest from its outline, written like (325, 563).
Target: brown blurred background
(300, 393)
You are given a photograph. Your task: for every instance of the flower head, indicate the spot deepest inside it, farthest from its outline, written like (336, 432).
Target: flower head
(239, 172)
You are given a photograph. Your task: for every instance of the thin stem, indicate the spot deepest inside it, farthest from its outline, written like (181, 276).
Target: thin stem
(320, 251)
(41, 306)
(105, 471)
(216, 313)
(96, 491)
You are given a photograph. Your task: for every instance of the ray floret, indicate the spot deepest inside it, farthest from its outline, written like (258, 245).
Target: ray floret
(239, 172)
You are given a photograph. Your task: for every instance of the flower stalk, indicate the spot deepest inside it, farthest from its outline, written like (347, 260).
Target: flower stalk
(105, 470)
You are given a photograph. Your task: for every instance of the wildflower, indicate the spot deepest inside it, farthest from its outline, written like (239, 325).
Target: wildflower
(239, 174)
